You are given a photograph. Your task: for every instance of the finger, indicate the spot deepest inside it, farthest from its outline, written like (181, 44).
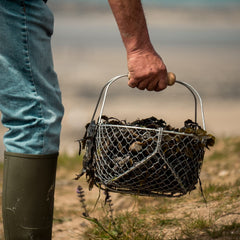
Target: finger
(132, 83)
(152, 85)
(143, 84)
(162, 84)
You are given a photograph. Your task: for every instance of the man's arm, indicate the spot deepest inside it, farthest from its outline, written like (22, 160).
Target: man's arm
(146, 68)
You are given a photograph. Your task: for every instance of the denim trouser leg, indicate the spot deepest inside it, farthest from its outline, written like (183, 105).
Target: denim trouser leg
(30, 99)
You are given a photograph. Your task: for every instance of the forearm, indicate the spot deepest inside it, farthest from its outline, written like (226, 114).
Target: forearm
(146, 68)
(132, 25)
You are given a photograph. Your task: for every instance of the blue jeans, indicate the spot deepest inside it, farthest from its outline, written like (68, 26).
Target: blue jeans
(30, 98)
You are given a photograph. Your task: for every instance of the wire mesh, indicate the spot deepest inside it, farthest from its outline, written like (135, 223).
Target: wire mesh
(147, 161)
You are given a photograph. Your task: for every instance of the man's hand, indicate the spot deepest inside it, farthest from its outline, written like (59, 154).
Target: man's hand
(147, 71)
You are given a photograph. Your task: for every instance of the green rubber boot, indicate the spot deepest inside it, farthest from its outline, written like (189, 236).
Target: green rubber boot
(28, 196)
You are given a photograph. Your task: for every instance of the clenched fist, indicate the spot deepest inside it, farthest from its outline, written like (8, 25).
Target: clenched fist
(147, 71)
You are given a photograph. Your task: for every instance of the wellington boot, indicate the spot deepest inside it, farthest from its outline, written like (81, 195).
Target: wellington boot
(28, 196)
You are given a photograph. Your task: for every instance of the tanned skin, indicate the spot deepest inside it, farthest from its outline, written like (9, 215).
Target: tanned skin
(146, 68)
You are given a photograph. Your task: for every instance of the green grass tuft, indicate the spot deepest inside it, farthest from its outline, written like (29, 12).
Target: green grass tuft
(126, 226)
(70, 162)
(232, 231)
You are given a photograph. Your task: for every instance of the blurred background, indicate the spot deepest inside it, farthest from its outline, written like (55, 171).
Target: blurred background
(199, 41)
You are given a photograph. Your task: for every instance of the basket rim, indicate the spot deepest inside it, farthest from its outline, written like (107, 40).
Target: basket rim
(145, 128)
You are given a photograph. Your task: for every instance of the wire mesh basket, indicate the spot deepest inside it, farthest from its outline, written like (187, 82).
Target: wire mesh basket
(143, 160)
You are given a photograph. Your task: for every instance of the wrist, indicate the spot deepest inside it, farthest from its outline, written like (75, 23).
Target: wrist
(134, 46)
(140, 49)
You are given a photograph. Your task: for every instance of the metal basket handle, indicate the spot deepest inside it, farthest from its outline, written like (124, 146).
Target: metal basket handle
(105, 88)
